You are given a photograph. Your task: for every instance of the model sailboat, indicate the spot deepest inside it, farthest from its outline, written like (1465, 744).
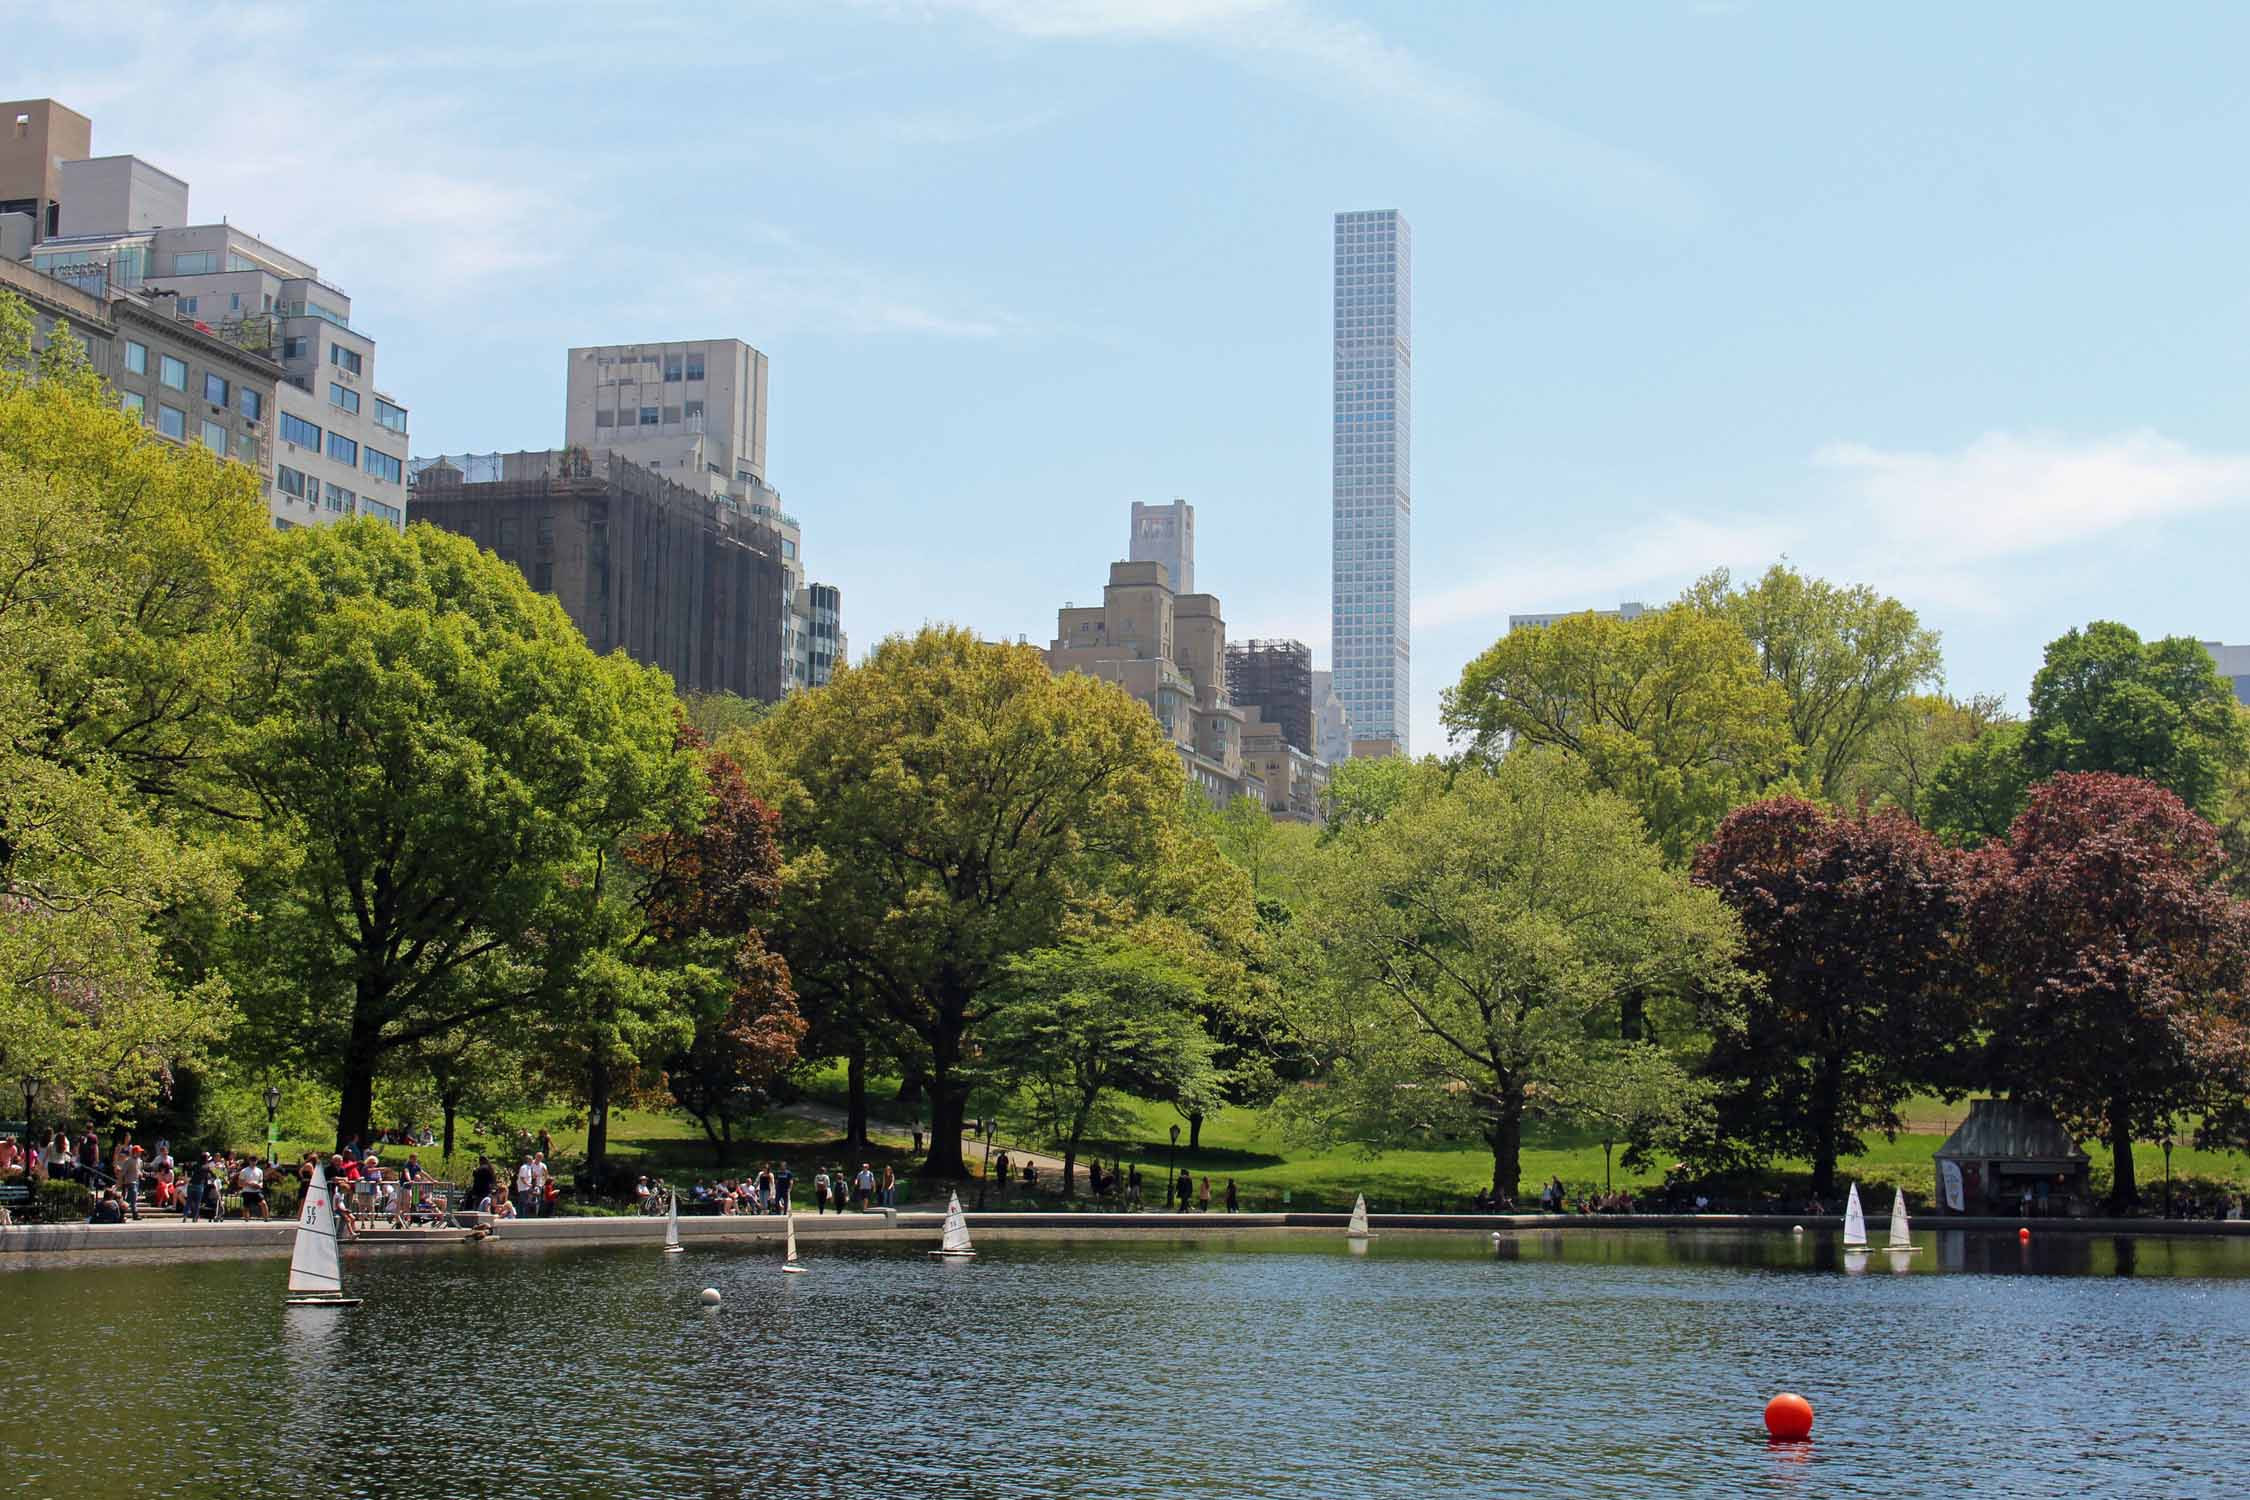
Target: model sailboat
(789, 1264)
(1902, 1233)
(955, 1245)
(1855, 1222)
(672, 1245)
(1357, 1229)
(316, 1270)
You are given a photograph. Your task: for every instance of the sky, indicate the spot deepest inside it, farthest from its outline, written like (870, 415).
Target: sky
(1945, 300)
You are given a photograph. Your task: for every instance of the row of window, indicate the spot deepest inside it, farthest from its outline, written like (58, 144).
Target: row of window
(334, 496)
(295, 429)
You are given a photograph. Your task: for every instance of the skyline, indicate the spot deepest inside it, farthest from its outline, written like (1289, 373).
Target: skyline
(1948, 309)
(1372, 459)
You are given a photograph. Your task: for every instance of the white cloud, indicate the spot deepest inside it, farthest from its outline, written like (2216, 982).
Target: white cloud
(1648, 561)
(2006, 494)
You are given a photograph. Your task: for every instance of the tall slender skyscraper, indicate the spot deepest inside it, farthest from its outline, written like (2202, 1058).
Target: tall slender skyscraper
(1372, 582)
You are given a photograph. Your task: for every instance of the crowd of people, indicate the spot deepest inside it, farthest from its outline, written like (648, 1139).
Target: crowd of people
(772, 1190)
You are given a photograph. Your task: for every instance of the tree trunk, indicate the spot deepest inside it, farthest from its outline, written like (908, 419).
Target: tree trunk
(1070, 1169)
(2124, 1192)
(597, 1125)
(1195, 1131)
(855, 1098)
(1827, 1108)
(355, 1109)
(1632, 1016)
(1605, 1166)
(1505, 1137)
(949, 1103)
(451, 1104)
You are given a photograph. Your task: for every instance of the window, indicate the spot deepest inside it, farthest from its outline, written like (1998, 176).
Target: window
(695, 367)
(547, 529)
(172, 372)
(382, 512)
(237, 262)
(188, 305)
(296, 348)
(249, 402)
(291, 481)
(671, 414)
(246, 448)
(648, 416)
(605, 419)
(134, 402)
(543, 578)
(195, 263)
(508, 529)
(339, 396)
(344, 358)
(281, 525)
(672, 367)
(172, 422)
(343, 449)
(389, 416)
(340, 499)
(215, 436)
(694, 411)
(136, 357)
(383, 466)
(214, 388)
(295, 429)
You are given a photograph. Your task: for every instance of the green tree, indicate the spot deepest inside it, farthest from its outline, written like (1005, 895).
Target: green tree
(123, 563)
(946, 807)
(1078, 1027)
(1638, 1095)
(1363, 791)
(1476, 944)
(2105, 700)
(1903, 755)
(1848, 658)
(1670, 711)
(440, 764)
(1978, 788)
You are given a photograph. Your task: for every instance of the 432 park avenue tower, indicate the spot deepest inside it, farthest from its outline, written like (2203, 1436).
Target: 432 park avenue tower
(1371, 582)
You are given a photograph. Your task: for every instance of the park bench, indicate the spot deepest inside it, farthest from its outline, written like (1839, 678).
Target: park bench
(13, 1196)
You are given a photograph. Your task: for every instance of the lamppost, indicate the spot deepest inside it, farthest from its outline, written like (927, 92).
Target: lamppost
(988, 1127)
(273, 1110)
(2167, 1177)
(31, 1087)
(1172, 1169)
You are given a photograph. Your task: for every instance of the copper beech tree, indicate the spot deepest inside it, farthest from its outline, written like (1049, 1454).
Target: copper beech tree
(2121, 968)
(1856, 925)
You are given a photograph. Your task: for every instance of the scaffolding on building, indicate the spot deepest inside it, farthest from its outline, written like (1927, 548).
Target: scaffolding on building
(1275, 677)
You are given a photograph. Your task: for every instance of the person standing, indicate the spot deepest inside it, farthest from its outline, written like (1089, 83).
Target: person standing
(90, 1157)
(1186, 1190)
(523, 1188)
(129, 1176)
(481, 1183)
(766, 1186)
(889, 1191)
(864, 1186)
(1203, 1197)
(820, 1192)
(253, 1182)
(1233, 1198)
(784, 1184)
(538, 1180)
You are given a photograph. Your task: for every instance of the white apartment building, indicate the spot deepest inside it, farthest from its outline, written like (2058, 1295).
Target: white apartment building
(1627, 611)
(337, 443)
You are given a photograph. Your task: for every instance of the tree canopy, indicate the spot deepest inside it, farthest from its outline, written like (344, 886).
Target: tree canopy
(438, 760)
(1481, 937)
(2105, 700)
(1671, 711)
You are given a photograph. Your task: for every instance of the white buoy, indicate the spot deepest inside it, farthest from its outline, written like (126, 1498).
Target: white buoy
(1796, 1229)
(710, 1296)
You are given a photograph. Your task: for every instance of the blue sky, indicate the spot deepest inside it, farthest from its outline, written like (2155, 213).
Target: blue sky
(1949, 300)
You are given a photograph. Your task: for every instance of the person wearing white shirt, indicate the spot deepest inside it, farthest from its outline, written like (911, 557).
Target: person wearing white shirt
(523, 1187)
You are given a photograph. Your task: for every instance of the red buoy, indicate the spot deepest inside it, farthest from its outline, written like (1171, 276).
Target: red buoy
(1789, 1418)
(2024, 1235)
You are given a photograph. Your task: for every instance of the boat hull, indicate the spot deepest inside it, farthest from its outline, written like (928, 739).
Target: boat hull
(953, 1254)
(324, 1301)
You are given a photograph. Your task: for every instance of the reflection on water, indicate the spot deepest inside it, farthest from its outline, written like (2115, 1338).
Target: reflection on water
(1604, 1363)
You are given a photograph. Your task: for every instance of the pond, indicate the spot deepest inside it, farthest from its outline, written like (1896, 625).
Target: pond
(1594, 1362)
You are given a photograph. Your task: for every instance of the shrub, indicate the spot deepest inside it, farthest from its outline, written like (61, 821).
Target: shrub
(59, 1202)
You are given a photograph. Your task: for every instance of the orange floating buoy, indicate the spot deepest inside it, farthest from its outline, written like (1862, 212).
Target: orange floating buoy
(2024, 1235)
(1789, 1418)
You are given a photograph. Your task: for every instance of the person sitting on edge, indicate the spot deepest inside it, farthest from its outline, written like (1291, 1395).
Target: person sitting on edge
(108, 1208)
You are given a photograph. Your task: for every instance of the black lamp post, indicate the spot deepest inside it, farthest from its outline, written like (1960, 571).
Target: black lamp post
(273, 1111)
(2167, 1177)
(988, 1128)
(1172, 1169)
(31, 1088)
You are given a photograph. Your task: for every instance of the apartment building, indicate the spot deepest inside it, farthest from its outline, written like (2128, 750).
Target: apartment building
(638, 561)
(36, 137)
(331, 442)
(1628, 611)
(1166, 534)
(1169, 650)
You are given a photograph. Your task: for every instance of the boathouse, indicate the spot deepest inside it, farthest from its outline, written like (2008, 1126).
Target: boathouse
(2014, 1159)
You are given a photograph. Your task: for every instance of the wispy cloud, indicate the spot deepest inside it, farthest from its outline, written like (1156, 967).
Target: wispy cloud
(1934, 526)
(1351, 61)
(2007, 493)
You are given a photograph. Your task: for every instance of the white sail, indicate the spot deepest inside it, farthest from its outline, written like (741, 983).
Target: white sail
(1358, 1228)
(789, 1223)
(956, 1241)
(314, 1266)
(672, 1224)
(1902, 1233)
(1855, 1222)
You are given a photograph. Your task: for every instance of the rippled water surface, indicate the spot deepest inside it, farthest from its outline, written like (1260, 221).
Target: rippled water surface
(1599, 1363)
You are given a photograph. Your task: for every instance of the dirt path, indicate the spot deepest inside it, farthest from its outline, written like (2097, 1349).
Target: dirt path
(892, 1132)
